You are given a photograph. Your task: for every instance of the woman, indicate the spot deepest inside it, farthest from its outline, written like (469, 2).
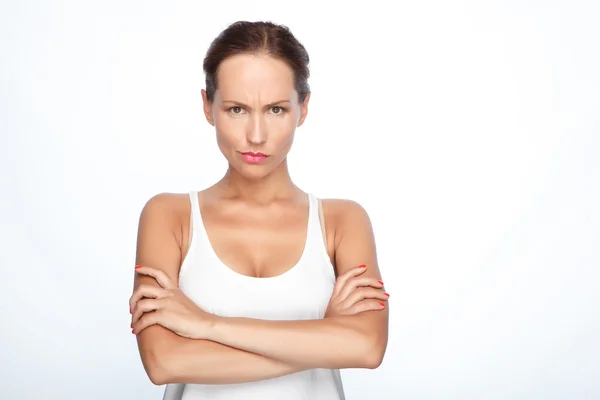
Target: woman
(235, 292)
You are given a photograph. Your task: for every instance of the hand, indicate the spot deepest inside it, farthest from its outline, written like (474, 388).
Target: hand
(354, 294)
(167, 306)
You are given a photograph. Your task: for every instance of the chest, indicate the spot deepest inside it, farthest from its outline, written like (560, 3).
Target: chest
(257, 243)
(303, 292)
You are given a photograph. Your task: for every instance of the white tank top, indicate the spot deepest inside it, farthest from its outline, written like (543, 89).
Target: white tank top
(303, 292)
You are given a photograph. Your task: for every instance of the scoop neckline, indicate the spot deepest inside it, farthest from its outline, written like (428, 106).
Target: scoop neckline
(239, 275)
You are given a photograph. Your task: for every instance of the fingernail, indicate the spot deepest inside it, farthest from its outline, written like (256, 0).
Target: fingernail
(380, 282)
(362, 266)
(387, 294)
(138, 266)
(382, 304)
(132, 331)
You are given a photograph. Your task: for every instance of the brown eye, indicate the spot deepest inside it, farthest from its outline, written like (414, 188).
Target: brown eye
(236, 110)
(277, 110)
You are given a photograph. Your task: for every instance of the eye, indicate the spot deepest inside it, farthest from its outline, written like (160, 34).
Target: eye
(277, 110)
(236, 110)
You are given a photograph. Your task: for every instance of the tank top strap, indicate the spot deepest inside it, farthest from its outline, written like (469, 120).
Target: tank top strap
(316, 239)
(196, 217)
(313, 216)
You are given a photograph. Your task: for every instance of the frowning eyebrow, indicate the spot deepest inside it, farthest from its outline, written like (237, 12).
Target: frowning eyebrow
(247, 106)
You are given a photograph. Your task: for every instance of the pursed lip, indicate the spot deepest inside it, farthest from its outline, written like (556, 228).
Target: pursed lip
(251, 153)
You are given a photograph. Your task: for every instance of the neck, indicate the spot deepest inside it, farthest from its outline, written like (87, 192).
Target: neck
(277, 185)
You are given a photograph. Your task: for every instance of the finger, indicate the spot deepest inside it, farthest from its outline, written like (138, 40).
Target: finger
(147, 320)
(147, 291)
(363, 293)
(161, 277)
(342, 279)
(367, 305)
(354, 283)
(146, 306)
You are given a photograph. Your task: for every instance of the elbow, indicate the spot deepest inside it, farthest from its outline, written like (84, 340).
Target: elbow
(157, 373)
(160, 350)
(374, 353)
(374, 360)
(368, 346)
(156, 368)
(157, 376)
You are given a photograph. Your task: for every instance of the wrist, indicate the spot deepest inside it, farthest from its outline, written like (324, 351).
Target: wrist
(210, 326)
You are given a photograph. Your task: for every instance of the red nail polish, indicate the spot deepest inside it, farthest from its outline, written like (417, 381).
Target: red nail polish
(382, 304)
(362, 266)
(132, 331)
(380, 282)
(387, 294)
(138, 266)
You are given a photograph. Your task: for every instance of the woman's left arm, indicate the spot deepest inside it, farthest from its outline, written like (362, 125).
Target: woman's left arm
(357, 341)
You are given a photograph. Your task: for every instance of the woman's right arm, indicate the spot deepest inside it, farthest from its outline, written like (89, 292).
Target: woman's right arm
(164, 354)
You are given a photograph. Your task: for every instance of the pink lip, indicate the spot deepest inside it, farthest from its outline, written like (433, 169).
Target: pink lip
(253, 158)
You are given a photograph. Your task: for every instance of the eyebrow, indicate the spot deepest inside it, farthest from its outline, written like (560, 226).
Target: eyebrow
(247, 106)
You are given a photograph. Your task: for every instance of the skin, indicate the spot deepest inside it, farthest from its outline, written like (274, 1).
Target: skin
(255, 108)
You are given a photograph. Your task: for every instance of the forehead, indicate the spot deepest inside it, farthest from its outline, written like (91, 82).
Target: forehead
(246, 77)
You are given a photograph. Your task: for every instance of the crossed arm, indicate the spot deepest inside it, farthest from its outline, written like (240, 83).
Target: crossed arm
(244, 349)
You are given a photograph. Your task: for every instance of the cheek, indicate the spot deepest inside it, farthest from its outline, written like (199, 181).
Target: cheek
(282, 128)
(229, 130)
(278, 125)
(280, 136)
(222, 122)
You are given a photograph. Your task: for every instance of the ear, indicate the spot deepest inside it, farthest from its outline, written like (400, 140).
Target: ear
(207, 108)
(304, 110)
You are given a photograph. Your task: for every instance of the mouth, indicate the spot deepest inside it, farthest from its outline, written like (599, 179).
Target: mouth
(253, 158)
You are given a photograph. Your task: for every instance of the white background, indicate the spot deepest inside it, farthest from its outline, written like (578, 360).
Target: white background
(468, 130)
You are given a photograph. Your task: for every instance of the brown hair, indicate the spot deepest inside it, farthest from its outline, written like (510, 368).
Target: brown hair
(245, 37)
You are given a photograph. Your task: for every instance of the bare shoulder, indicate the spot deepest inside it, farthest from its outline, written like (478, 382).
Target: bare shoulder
(167, 205)
(352, 238)
(161, 231)
(342, 205)
(345, 214)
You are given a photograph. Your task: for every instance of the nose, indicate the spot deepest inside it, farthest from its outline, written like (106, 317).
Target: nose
(257, 132)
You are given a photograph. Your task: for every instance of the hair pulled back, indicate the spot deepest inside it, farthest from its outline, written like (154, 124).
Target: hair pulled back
(244, 37)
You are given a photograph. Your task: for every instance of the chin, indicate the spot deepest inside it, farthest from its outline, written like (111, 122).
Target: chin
(252, 172)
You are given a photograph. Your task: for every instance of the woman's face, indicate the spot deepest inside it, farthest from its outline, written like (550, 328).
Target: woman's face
(255, 111)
